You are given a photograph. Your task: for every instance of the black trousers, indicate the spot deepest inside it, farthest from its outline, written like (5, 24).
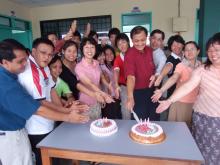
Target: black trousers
(144, 107)
(35, 139)
(112, 110)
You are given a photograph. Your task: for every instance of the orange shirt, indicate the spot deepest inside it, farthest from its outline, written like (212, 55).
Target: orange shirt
(185, 74)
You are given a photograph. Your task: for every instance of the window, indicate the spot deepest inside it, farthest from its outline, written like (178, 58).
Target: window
(101, 24)
(130, 20)
(5, 21)
(16, 28)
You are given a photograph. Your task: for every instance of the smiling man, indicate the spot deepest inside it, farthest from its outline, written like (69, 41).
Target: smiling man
(17, 106)
(156, 43)
(139, 72)
(37, 80)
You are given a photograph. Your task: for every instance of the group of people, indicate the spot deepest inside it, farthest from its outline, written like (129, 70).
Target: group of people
(76, 79)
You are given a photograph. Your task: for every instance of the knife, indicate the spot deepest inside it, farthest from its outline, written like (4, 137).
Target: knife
(135, 116)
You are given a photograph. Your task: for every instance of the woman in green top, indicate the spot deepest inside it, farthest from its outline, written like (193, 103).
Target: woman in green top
(61, 87)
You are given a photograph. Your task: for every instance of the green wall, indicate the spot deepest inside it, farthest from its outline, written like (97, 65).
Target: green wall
(18, 29)
(209, 22)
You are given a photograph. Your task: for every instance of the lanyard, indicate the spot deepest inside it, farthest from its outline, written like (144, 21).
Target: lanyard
(36, 76)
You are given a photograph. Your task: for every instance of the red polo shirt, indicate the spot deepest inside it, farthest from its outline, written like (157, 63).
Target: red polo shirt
(119, 64)
(140, 65)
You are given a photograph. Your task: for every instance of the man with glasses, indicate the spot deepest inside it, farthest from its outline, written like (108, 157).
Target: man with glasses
(17, 106)
(36, 79)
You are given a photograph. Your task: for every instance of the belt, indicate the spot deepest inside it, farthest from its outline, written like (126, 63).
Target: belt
(3, 133)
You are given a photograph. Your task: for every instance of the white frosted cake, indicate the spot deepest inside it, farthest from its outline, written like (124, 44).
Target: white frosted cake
(147, 132)
(103, 127)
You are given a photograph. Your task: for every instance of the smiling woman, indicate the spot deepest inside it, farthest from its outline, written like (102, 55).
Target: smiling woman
(206, 116)
(89, 74)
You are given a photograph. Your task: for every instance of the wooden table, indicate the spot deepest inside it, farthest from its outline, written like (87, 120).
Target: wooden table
(74, 141)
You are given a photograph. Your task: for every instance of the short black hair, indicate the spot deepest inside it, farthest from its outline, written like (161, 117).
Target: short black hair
(176, 38)
(213, 40)
(106, 47)
(15, 44)
(192, 42)
(68, 44)
(122, 36)
(39, 41)
(159, 32)
(77, 33)
(99, 51)
(7, 48)
(216, 38)
(51, 33)
(114, 31)
(137, 30)
(54, 59)
(92, 33)
(85, 41)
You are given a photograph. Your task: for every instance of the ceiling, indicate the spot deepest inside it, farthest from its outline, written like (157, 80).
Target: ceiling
(38, 3)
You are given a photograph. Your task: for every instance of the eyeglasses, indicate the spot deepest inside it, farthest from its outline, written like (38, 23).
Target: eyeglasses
(44, 53)
(214, 51)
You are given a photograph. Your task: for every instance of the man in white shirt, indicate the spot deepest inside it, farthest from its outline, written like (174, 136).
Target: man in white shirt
(156, 43)
(36, 79)
(17, 106)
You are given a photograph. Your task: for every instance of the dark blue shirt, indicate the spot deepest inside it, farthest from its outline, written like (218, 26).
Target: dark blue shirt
(16, 105)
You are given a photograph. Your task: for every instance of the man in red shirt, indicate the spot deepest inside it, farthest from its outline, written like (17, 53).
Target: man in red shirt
(139, 72)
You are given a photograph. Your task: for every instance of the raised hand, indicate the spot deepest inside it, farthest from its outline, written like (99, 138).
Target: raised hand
(73, 26)
(164, 105)
(88, 29)
(157, 94)
(69, 35)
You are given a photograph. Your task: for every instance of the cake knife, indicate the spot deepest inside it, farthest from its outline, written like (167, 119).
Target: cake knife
(135, 116)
